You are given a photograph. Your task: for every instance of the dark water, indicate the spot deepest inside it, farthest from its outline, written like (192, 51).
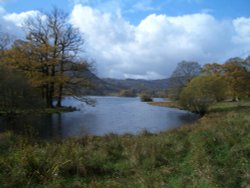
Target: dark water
(117, 115)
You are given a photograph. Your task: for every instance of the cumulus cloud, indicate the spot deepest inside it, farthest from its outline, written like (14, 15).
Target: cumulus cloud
(7, 26)
(242, 28)
(19, 19)
(12, 23)
(152, 48)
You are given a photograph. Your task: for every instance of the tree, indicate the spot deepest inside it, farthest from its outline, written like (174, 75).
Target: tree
(16, 93)
(5, 40)
(237, 76)
(48, 56)
(214, 69)
(127, 93)
(67, 44)
(246, 63)
(203, 91)
(146, 97)
(34, 61)
(182, 75)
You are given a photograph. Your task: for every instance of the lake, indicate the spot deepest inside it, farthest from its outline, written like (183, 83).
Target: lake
(118, 115)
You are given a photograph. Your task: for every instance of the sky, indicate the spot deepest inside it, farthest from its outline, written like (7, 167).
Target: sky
(145, 39)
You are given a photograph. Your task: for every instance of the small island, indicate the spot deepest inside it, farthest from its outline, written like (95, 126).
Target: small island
(146, 97)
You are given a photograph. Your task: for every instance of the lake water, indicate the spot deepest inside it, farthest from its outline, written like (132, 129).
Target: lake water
(119, 115)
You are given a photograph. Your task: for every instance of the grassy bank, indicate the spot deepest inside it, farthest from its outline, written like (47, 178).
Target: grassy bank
(169, 104)
(214, 152)
(37, 111)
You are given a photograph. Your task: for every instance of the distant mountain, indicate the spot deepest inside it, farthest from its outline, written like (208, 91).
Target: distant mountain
(110, 86)
(139, 85)
(100, 87)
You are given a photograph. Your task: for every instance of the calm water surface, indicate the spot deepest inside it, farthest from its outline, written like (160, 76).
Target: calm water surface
(117, 115)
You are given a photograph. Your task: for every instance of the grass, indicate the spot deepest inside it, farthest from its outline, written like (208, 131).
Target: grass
(214, 152)
(230, 106)
(38, 111)
(169, 104)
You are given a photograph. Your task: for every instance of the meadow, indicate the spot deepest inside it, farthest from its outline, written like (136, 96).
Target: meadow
(213, 152)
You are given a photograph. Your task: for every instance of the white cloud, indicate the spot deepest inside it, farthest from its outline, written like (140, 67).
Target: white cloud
(152, 48)
(242, 28)
(7, 26)
(12, 23)
(19, 19)
(145, 5)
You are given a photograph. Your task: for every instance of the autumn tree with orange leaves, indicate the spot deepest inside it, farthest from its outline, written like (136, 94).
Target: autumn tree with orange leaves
(49, 57)
(235, 71)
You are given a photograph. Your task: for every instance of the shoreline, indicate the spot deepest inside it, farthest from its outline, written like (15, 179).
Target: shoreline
(63, 109)
(168, 104)
(218, 141)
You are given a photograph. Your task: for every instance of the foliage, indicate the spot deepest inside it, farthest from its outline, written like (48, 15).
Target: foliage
(127, 93)
(237, 74)
(214, 152)
(146, 97)
(203, 91)
(182, 75)
(16, 92)
(5, 40)
(238, 77)
(48, 56)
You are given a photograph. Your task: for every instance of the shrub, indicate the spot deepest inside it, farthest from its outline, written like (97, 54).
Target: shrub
(146, 98)
(201, 92)
(127, 93)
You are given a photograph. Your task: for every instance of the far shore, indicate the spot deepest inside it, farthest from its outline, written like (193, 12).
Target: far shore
(169, 104)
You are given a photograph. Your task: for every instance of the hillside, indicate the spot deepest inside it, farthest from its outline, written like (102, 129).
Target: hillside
(138, 84)
(108, 86)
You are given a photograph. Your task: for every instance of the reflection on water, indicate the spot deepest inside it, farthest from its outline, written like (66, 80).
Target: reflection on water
(117, 115)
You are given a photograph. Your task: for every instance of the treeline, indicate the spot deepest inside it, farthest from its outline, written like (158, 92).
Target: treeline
(45, 65)
(196, 87)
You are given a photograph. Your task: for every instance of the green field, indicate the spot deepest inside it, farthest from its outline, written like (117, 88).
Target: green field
(214, 152)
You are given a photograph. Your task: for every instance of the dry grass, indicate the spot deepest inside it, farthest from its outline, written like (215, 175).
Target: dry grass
(169, 104)
(214, 152)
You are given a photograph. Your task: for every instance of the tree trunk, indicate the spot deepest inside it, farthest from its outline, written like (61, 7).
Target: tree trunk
(52, 87)
(47, 96)
(59, 99)
(60, 89)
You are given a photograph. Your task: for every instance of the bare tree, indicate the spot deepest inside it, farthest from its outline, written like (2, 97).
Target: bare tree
(5, 42)
(182, 75)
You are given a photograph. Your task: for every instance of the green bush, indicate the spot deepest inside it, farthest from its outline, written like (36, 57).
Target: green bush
(127, 93)
(202, 92)
(146, 98)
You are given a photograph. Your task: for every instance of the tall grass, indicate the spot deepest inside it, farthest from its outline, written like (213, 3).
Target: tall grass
(214, 152)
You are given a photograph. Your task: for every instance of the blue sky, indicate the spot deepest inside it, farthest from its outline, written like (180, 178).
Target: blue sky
(146, 38)
(135, 10)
